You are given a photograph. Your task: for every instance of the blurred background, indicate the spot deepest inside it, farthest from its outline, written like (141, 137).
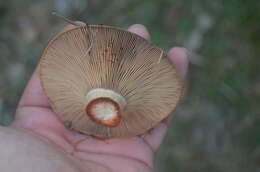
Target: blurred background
(217, 126)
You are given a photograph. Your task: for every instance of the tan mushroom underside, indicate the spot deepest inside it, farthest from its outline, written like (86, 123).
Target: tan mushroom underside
(95, 56)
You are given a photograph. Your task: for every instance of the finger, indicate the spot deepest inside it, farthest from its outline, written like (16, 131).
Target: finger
(33, 94)
(68, 27)
(140, 30)
(179, 57)
(155, 137)
(71, 26)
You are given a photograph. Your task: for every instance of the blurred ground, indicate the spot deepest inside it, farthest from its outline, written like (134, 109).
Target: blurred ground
(216, 129)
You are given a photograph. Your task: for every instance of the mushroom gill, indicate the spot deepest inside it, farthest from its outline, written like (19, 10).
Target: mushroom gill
(107, 82)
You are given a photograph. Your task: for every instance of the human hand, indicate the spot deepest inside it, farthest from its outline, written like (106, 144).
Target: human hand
(52, 147)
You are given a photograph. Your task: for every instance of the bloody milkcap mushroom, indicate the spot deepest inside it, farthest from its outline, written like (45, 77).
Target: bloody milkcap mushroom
(108, 82)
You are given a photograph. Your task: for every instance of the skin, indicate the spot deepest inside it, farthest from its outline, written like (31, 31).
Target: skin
(38, 142)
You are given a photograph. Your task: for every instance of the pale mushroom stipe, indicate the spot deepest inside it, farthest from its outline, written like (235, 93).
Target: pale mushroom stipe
(108, 82)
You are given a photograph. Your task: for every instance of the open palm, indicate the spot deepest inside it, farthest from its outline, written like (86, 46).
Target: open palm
(65, 150)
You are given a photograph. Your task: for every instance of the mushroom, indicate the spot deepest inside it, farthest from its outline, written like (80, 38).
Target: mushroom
(107, 82)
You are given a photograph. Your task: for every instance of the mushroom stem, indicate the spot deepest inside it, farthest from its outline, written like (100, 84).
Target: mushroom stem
(104, 106)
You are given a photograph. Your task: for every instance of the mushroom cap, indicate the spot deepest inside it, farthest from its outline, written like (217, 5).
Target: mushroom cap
(97, 56)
